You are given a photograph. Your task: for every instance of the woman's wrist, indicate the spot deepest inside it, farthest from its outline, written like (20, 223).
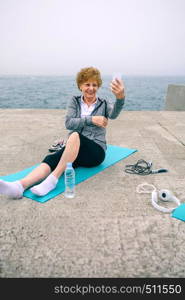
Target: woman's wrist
(120, 96)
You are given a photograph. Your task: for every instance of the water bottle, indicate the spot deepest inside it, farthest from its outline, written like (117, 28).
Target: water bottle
(69, 181)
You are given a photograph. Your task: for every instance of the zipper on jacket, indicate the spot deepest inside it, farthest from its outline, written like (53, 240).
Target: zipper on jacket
(101, 102)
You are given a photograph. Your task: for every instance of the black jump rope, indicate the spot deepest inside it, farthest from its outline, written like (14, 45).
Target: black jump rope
(143, 167)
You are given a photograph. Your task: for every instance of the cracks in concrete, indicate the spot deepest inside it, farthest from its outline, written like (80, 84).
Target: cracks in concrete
(172, 134)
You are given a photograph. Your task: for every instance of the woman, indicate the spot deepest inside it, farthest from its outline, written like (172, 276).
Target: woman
(87, 117)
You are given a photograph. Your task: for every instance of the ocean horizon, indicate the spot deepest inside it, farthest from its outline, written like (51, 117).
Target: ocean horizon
(54, 92)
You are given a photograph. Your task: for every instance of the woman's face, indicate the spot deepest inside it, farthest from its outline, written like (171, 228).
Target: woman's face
(89, 89)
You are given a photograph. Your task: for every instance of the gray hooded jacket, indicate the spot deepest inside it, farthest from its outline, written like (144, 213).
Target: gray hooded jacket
(84, 125)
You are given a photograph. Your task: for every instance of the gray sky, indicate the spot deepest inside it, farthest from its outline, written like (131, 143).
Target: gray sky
(57, 37)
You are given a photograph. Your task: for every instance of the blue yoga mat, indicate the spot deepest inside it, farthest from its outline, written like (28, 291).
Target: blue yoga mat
(113, 155)
(179, 212)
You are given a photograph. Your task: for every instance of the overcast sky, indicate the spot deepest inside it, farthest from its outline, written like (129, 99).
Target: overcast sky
(57, 37)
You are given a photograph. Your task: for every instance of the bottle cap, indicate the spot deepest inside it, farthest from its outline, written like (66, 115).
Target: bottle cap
(69, 164)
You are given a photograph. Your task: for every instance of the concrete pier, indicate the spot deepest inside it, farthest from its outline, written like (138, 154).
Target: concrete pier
(108, 229)
(175, 98)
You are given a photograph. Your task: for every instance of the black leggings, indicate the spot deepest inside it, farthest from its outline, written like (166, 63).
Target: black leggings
(90, 155)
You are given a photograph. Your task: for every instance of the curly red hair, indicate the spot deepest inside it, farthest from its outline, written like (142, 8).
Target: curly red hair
(88, 74)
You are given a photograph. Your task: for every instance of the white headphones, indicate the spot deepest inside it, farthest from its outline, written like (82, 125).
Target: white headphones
(164, 195)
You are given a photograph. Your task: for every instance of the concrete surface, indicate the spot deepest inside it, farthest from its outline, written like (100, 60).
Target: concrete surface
(175, 98)
(107, 230)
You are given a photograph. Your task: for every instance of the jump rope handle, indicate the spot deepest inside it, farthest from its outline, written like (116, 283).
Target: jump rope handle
(159, 171)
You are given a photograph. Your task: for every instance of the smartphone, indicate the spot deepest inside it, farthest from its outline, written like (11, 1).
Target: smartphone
(116, 76)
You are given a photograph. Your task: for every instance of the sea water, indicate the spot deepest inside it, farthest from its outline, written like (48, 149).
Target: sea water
(54, 92)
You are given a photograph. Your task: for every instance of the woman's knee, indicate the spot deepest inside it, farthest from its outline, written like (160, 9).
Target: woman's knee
(74, 136)
(75, 133)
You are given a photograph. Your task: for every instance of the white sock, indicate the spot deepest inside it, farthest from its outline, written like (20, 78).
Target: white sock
(12, 189)
(45, 186)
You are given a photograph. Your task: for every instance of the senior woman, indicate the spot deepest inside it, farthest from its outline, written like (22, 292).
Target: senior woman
(87, 118)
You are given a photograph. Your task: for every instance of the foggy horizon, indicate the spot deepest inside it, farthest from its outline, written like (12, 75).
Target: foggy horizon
(102, 74)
